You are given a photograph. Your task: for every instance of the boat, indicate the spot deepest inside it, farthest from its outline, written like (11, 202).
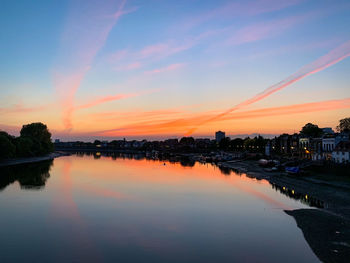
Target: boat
(292, 169)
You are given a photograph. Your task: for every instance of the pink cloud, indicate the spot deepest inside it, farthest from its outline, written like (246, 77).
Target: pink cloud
(264, 30)
(234, 9)
(105, 99)
(168, 68)
(99, 101)
(18, 108)
(131, 66)
(87, 27)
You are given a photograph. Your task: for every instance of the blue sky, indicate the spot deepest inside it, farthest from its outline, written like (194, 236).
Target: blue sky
(186, 58)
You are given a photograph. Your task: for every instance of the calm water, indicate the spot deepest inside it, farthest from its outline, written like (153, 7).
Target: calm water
(94, 209)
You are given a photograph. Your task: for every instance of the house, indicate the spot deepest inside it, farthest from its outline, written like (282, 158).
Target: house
(341, 153)
(328, 144)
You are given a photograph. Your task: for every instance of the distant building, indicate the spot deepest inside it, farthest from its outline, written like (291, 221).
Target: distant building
(327, 130)
(219, 135)
(57, 141)
(341, 153)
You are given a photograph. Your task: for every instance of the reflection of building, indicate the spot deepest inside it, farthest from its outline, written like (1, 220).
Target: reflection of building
(304, 146)
(341, 153)
(268, 149)
(219, 135)
(328, 145)
(316, 149)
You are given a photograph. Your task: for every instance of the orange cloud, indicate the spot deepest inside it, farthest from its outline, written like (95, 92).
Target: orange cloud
(104, 100)
(334, 56)
(176, 124)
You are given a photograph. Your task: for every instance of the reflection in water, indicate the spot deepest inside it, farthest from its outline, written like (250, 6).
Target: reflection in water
(29, 176)
(225, 170)
(187, 162)
(304, 198)
(130, 211)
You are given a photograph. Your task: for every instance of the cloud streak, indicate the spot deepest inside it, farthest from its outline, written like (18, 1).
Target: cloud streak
(106, 99)
(168, 68)
(175, 125)
(234, 9)
(18, 108)
(334, 56)
(87, 28)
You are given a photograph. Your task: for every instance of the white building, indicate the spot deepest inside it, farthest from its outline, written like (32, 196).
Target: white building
(328, 144)
(341, 153)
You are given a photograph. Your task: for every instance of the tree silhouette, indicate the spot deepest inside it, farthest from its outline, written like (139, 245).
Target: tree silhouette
(311, 130)
(344, 125)
(40, 136)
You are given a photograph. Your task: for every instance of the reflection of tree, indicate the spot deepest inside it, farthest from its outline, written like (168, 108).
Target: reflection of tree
(225, 170)
(29, 176)
(185, 162)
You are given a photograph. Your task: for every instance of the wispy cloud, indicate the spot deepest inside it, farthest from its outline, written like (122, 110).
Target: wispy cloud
(129, 59)
(178, 122)
(19, 108)
(130, 66)
(168, 68)
(85, 33)
(334, 56)
(264, 30)
(110, 98)
(237, 9)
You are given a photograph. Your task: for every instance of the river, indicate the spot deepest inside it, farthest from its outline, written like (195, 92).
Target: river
(93, 208)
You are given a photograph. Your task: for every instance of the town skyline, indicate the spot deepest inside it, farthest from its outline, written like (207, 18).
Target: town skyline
(93, 70)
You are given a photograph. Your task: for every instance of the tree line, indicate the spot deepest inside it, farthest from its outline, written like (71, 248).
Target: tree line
(34, 140)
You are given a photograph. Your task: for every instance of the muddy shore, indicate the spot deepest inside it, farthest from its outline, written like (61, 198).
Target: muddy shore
(326, 229)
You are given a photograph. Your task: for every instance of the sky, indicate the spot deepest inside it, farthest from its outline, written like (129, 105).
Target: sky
(163, 69)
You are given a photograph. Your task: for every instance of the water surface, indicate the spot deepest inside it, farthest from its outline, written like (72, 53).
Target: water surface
(100, 209)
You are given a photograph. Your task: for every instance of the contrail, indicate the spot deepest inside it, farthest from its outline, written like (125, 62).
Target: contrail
(84, 34)
(334, 56)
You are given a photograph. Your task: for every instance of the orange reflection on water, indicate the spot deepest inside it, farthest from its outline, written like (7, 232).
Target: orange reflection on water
(119, 178)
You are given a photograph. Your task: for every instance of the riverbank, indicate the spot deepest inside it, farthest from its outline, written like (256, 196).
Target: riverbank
(327, 229)
(332, 191)
(16, 161)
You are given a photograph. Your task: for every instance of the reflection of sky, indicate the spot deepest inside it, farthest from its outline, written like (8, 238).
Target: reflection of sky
(136, 209)
(88, 67)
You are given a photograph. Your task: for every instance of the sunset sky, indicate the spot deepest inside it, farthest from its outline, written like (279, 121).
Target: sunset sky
(160, 68)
